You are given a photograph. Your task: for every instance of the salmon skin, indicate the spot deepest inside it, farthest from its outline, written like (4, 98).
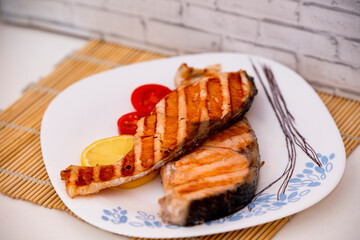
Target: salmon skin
(180, 122)
(213, 181)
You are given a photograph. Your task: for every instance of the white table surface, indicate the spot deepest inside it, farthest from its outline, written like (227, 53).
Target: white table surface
(26, 55)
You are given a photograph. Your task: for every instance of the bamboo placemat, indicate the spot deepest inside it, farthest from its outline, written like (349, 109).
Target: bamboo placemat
(22, 170)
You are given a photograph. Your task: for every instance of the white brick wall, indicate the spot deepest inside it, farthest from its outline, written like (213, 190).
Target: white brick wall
(317, 70)
(215, 21)
(45, 10)
(351, 5)
(108, 22)
(173, 36)
(342, 78)
(97, 3)
(204, 3)
(284, 10)
(330, 21)
(349, 52)
(159, 9)
(311, 43)
(284, 57)
(318, 38)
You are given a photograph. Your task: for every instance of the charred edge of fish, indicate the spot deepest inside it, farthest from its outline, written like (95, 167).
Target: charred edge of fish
(64, 174)
(222, 205)
(252, 82)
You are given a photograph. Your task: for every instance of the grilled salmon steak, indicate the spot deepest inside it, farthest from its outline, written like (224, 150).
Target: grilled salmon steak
(180, 122)
(214, 180)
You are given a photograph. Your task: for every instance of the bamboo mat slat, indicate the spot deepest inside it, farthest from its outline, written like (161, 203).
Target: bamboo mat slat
(22, 170)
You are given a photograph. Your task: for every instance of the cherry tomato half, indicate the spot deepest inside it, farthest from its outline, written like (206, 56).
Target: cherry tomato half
(145, 97)
(127, 124)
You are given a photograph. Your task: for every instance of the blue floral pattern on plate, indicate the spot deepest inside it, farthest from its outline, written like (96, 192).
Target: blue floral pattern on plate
(147, 220)
(300, 185)
(116, 216)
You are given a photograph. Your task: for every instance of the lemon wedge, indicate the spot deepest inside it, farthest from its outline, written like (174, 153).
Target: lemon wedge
(110, 150)
(107, 151)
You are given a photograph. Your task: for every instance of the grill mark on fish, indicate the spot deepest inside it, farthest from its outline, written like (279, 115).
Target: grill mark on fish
(166, 127)
(171, 125)
(182, 114)
(226, 108)
(147, 150)
(128, 168)
(171, 104)
(150, 125)
(138, 143)
(235, 89)
(85, 176)
(192, 104)
(204, 113)
(106, 173)
(160, 129)
(230, 96)
(215, 98)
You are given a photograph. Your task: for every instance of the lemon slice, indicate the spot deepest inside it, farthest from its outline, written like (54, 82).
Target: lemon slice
(110, 150)
(107, 151)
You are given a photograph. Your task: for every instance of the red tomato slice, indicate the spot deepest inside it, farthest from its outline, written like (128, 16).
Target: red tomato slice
(127, 124)
(145, 97)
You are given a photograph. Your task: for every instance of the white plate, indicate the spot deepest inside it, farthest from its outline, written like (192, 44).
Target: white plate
(88, 111)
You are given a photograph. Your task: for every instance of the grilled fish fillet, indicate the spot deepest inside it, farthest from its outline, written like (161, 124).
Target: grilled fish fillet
(180, 122)
(214, 180)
